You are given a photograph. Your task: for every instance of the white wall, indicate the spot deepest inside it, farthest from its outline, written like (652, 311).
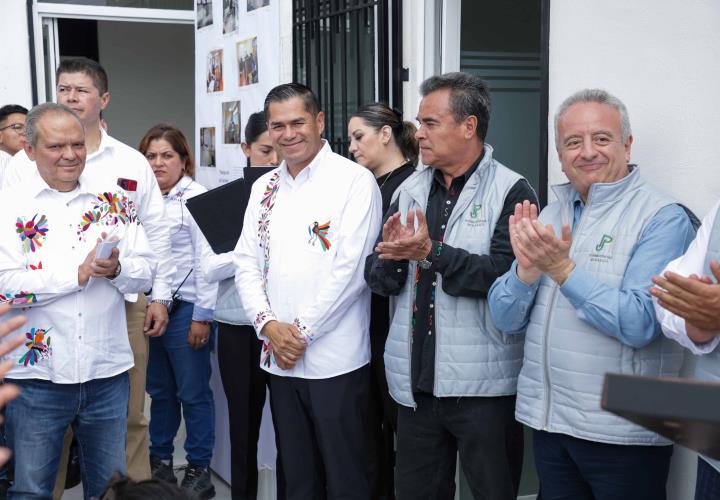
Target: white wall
(151, 71)
(15, 85)
(662, 58)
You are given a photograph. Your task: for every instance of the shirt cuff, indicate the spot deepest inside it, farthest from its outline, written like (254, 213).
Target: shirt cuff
(576, 286)
(305, 330)
(202, 314)
(440, 255)
(160, 291)
(518, 287)
(261, 318)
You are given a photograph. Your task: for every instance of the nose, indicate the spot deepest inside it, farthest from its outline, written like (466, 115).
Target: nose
(420, 133)
(156, 162)
(68, 153)
(588, 149)
(352, 147)
(273, 157)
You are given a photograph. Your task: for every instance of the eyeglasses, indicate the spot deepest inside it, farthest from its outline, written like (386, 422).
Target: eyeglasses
(17, 127)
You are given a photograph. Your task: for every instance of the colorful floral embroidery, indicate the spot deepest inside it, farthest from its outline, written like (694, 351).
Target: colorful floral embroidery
(18, 298)
(109, 209)
(262, 317)
(38, 345)
(267, 203)
(319, 233)
(34, 267)
(304, 330)
(177, 196)
(32, 233)
(268, 199)
(267, 354)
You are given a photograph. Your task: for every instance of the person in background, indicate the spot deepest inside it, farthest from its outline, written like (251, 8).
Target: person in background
(178, 375)
(384, 144)
(239, 348)
(688, 309)
(12, 133)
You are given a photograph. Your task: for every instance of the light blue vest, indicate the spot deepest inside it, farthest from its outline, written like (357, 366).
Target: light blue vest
(566, 359)
(472, 357)
(228, 308)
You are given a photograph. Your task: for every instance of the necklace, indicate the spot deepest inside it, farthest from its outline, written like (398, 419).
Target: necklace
(392, 172)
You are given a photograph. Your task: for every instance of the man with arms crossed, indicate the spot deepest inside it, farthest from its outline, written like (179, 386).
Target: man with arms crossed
(308, 227)
(579, 290)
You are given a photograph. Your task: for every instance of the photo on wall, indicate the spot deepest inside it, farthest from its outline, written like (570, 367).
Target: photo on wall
(256, 4)
(247, 61)
(207, 147)
(214, 77)
(230, 16)
(231, 122)
(204, 13)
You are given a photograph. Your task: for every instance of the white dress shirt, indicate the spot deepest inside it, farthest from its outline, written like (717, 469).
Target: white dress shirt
(4, 160)
(692, 262)
(300, 260)
(73, 333)
(188, 246)
(115, 163)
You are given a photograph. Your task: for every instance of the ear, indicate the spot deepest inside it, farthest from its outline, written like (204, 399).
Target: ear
(628, 147)
(245, 149)
(29, 150)
(385, 134)
(104, 100)
(320, 121)
(470, 126)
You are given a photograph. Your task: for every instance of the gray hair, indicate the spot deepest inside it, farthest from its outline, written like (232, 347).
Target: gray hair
(601, 97)
(36, 113)
(469, 96)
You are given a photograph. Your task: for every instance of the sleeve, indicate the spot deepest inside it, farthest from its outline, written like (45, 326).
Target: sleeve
(151, 212)
(510, 301)
(12, 172)
(358, 226)
(137, 261)
(217, 267)
(248, 273)
(206, 291)
(627, 313)
(467, 274)
(691, 262)
(385, 277)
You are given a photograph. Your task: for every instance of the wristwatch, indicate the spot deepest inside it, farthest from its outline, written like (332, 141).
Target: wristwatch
(424, 264)
(117, 272)
(167, 303)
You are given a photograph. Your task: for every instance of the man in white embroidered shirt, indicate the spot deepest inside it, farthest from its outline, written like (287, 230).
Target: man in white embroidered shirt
(72, 369)
(308, 227)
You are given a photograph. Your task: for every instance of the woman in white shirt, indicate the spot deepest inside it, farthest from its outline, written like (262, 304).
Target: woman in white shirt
(178, 374)
(239, 348)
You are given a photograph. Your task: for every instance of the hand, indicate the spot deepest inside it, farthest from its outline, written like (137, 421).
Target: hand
(98, 268)
(287, 342)
(156, 320)
(199, 334)
(695, 299)
(404, 242)
(526, 271)
(542, 249)
(8, 391)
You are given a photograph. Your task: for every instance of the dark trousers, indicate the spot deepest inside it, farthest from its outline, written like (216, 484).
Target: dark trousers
(323, 438)
(382, 424)
(707, 486)
(244, 384)
(577, 469)
(482, 430)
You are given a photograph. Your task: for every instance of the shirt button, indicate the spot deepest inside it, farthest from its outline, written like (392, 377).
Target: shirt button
(448, 202)
(79, 314)
(430, 332)
(434, 283)
(432, 305)
(442, 227)
(399, 269)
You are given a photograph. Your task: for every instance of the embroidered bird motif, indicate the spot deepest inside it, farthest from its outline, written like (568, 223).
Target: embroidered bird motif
(320, 232)
(38, 345)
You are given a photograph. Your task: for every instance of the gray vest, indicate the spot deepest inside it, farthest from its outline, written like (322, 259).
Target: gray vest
(566, 359)
(472, 357)
(228, 308)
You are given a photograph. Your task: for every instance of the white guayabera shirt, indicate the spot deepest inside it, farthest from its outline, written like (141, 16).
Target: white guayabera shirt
(300, 260)
(73, 333)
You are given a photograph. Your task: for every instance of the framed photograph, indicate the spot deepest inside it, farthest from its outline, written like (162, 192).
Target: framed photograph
(230, 16)
(207, 147)
(204, 13)
(231, 122)
(256, 4)
(214, 77)
(247, 62)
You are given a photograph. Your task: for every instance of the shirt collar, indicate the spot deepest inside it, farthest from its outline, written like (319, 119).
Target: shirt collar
(106, 142)
(36, 186)
(178, 190)
(438, 176)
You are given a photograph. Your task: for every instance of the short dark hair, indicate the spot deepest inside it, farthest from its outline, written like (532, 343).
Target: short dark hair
(36, 113)
(288, 91)
(89, 67)
(11, 109)
(469, 96)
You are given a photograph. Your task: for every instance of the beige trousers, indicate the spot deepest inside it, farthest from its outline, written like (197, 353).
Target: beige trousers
(137, 446)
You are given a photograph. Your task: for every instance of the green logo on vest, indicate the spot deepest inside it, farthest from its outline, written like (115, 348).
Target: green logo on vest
(606, 239)
(475, 210)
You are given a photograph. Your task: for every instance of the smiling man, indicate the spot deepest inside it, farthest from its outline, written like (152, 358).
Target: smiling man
(446, 365)
(82, 86)
(578, 289)
(308, 227)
